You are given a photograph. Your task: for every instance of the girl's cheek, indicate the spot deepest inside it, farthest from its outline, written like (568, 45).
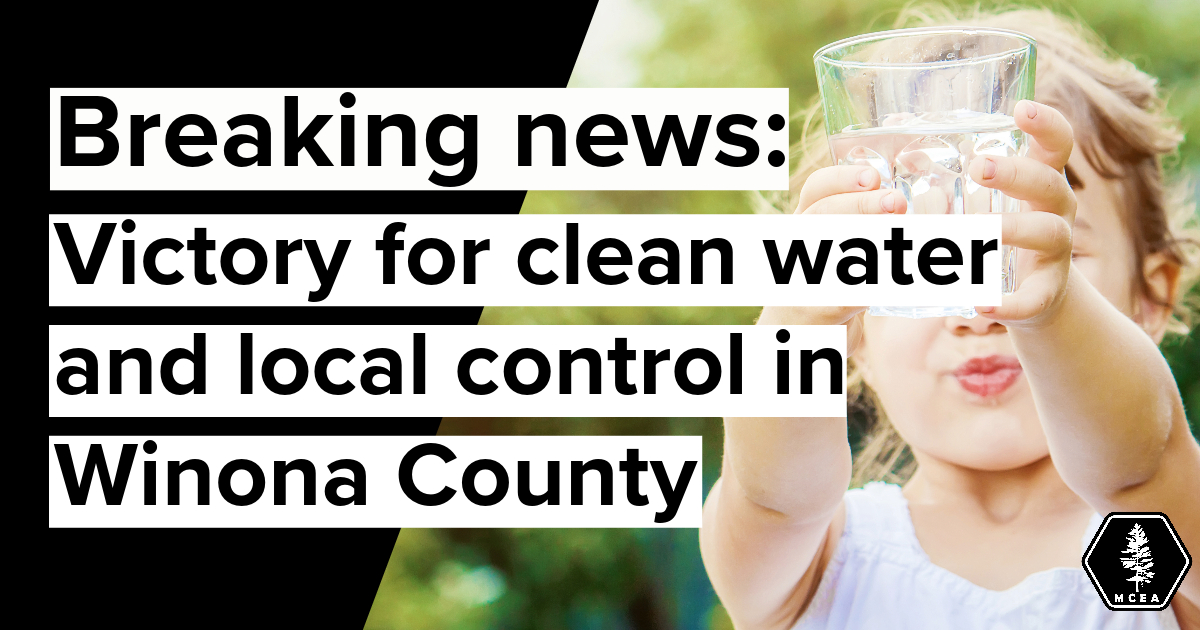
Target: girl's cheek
(898, 348)
(898, 360)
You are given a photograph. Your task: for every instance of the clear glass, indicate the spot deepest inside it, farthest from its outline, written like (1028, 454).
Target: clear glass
(918, 105)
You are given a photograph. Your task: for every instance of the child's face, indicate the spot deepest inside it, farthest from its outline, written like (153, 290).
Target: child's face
(953, 387)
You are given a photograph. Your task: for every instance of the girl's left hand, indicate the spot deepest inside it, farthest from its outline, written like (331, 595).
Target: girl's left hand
(1043, 227)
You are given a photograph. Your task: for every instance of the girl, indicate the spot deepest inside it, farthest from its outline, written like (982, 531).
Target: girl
(1024, 425)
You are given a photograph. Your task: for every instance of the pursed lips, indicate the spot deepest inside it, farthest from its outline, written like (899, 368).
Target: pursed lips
(988, 376)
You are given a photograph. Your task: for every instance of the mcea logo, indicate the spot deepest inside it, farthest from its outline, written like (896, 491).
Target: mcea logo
(1136, 561)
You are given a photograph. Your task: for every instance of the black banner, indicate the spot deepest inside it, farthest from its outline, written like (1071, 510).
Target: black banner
(321, 578)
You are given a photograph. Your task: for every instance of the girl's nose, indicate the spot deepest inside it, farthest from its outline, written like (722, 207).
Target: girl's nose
(980, 325)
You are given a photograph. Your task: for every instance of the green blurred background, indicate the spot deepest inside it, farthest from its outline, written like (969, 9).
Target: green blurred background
(635, 579)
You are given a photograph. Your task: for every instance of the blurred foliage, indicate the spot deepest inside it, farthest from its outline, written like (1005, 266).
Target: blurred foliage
(653, 578)
(552, 578)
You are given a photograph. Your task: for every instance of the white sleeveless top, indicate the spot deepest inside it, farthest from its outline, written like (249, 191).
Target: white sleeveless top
(879, 577)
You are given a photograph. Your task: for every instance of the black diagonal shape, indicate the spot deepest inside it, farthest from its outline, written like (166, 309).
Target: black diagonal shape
(296, 578)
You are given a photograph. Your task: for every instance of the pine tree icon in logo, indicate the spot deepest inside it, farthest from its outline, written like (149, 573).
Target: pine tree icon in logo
(1139, 559)
(1121, 553)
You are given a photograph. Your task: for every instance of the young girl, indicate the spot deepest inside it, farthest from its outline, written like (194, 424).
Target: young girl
(1024, 425)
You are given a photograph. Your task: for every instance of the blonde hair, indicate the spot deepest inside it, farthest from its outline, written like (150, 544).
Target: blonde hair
(1121, 127)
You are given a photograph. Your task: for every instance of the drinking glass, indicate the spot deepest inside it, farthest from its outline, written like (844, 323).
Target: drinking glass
(918, 105)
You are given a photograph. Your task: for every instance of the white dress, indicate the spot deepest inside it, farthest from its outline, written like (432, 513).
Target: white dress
(879, 577)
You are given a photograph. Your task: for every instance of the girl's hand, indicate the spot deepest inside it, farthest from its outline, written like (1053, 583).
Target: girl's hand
(1043, 227)
(838, 190)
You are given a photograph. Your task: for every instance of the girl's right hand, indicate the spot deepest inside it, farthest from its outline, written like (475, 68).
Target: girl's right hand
(838, 190)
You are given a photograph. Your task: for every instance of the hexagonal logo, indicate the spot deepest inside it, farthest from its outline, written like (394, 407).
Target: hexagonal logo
(1136, 561)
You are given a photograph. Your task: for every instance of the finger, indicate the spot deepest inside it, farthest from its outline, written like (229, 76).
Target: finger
(869, 202)
(835, 180)
(1036, 293)
(1041, 231)
(1026, 179)
(1051, 136)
